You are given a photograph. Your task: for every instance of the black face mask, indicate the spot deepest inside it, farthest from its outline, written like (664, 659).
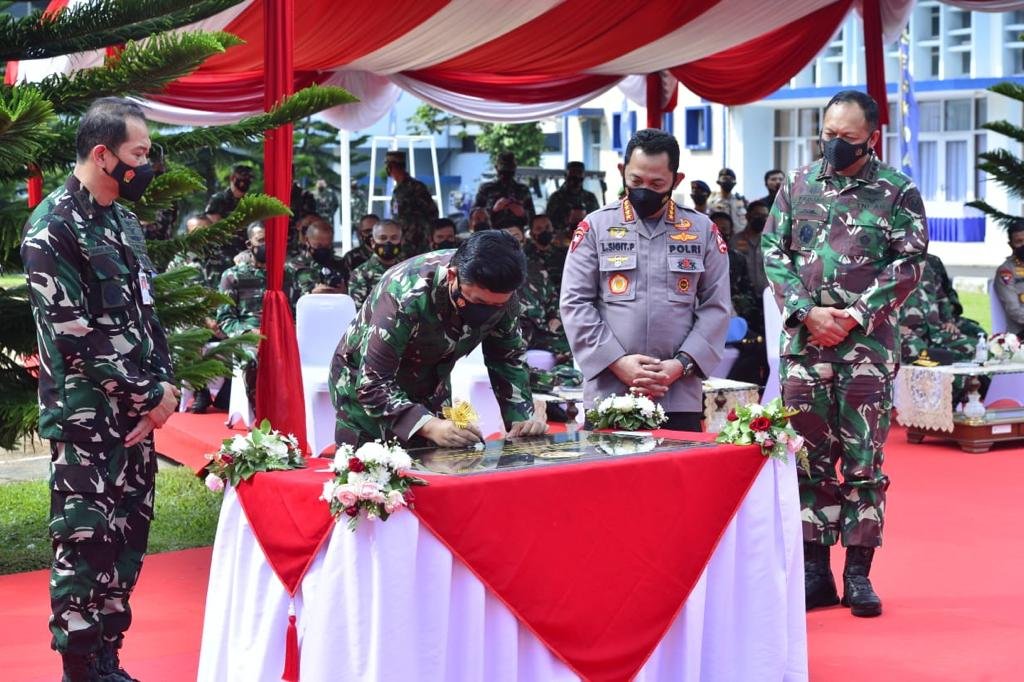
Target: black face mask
(506, 176)
(840, 154)
(647, 202)
(473, 314)
(447, 244)
(544, 238)
(323, 255)
(259, 253)
(574, 183)
(243, 185)
(699, 199)
(727, 185)
(757, 224)
(1018, 251)
(387, 252)
(132, 181)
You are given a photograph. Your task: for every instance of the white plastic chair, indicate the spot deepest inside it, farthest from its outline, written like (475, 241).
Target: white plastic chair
(772, 341)
(470, 382)
(1003, 386)
(238, 402)
(320, 323)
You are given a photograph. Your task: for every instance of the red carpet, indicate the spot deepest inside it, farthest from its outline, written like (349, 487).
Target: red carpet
(187, 438)
(950, 577)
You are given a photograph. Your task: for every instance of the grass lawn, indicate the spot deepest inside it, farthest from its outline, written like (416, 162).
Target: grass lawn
(186, 516)
(976, 308)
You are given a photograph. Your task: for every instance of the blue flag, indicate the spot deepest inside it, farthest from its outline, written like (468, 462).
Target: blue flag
(908, 118)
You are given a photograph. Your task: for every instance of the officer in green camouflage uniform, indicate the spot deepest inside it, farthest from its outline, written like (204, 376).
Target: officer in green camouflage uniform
(505, 198)
(387, 251)
(844, 246)
(316, 269)
(210, 267)
(361, 252)
(570, 194)
(927, 321)
(104, 384)
(221, 205)
(968, 327)
(411, 205)
(541, 249)
(390, 374)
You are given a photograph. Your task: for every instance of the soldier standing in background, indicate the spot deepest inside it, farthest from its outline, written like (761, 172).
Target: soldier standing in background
(387, 250)
(844, 246)
(645, 292)
(570, 194)
(542, 250)
(411, 205)
(361, 252)
(505, 198)
(727, 201)
(390, 374)
(104, 384)
(1009, 281)
(316, 269)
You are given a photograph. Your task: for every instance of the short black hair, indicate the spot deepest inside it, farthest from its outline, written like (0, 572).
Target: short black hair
(727, 171)
(1014, 227)
(865, 101)
(241, 169)
(491, 259)
(539, 216)
(721, 214)
(441, 223)
(370, 215)
(104, 122)
(575, 164)
(759, 204)
(653, 141)
(773, 171)
(511, 221)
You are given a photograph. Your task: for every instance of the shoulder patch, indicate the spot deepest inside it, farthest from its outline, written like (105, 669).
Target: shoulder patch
(722, 248)
(1005, 276)
(579, 234)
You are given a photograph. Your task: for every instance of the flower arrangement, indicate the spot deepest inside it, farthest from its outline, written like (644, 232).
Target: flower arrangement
(241, 456)
(628, 412)
(373, 479)
(1004, 347)
(767, 426)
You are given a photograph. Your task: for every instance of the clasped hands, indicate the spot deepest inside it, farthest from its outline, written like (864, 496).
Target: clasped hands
(156, 417)
(828, 327)
(646, 375)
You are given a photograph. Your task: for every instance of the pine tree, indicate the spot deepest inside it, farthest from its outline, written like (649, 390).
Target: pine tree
(38, 122)
(1003, 167)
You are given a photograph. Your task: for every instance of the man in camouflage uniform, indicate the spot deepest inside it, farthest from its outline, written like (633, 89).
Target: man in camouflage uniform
(645, 292)
(326, 198)
(442, 235)
(968, 327)
(541, 249)
(390, 374)
(1009, 281)
(104, 385)
(222, 204)
(727, 201)
(927, 321)
(844, 247)
(361, 252)
(505, 198)
(316, 270)
(387, 251)
(570, 194)
(411, 204)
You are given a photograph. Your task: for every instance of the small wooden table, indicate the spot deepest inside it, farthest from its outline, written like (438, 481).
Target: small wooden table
(924, 400)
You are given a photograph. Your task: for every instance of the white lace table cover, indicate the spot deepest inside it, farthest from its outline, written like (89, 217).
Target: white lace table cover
(923, 396)
(390, 602)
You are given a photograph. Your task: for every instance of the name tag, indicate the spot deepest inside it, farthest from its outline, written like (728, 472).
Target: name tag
(144, 289)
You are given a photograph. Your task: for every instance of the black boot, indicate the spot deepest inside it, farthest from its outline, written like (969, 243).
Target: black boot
(819, 585)
(202, 402)
(108, 665)
(79, 668)
(857, 591)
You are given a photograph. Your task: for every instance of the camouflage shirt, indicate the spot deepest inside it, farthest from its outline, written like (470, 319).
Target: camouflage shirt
(854, 243)
(414, 207)
(102, 351)
(538, 302)
(561, 202)
(391, 370)
(923, 316)
(308, 273)
(245, 284)
(364, 278)
(222, 203)
(355, 257)
(490, 192)
(552, 261)
(1009, 288)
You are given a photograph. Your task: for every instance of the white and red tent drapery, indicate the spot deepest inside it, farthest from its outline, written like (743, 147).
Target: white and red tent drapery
(487, 60)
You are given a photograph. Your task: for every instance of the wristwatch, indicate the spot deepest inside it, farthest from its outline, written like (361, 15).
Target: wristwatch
(799, 316)
(689, 366)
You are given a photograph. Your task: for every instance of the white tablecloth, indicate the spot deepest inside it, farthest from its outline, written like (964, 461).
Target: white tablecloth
(389, 602)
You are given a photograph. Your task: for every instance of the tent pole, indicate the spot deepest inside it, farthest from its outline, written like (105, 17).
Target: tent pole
(346, 189)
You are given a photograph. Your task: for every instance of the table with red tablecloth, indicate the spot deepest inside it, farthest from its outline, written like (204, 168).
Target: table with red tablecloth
(683, 565)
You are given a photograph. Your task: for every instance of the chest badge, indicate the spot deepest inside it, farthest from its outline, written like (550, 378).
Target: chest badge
(617, 260)
(683, 224)
(618, 284)
(686, 264)
(806, 233)
(683, 285)
(618, 232)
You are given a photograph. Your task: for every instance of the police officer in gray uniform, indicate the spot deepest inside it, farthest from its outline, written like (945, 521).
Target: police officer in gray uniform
(645, 290)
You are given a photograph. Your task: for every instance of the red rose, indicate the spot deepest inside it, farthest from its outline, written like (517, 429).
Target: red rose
(226, 458)
(732, 415)
(352, 511)
(355, 464)
(760, 424)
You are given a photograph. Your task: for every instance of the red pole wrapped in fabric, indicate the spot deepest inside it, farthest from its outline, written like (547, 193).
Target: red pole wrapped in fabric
(279, 377)
(874, 59)
(654, 109)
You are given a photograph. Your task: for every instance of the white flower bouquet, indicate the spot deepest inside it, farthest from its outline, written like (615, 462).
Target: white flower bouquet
(1004, 347)
(627, 412)
(262, 449)
(374, 480)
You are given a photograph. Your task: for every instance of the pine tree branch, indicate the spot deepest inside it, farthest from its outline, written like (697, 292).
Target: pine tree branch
(97, 25)
(1005, 128)
(12, 221)
(250, 209)
(1003, 219)
(196, 364)
(1008, 89)
(305, 102)
(26, 118)
(165, 190)
(142, 67)
(1005, 168)
(19, 329)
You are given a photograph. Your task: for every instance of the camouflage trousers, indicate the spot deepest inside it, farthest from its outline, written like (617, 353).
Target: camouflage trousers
(101, 506)
(844, 415)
